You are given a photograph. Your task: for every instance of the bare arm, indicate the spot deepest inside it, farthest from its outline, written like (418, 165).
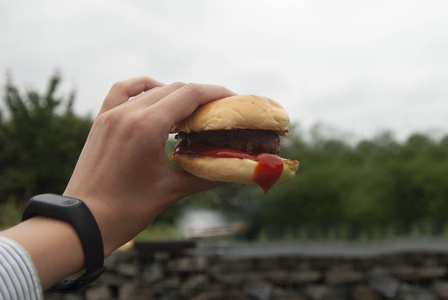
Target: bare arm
(121, 174)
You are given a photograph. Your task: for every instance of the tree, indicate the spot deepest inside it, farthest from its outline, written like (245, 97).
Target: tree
(40, 140)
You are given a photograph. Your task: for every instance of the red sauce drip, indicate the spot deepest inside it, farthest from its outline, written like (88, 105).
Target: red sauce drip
(268, 170)
(227, 153)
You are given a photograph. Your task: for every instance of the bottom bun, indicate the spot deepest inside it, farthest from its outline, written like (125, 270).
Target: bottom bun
(235, 170)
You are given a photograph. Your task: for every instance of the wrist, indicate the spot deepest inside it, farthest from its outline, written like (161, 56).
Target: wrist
(117, 225)
(53, 246)
(75, 213)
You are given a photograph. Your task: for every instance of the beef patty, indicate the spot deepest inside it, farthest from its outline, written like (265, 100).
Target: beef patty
(250, 141)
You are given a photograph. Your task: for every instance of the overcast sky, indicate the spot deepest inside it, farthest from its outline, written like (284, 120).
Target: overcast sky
(359, 66)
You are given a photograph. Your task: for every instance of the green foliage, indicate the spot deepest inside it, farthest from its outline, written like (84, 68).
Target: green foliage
(40, 140)
(10, 213)
(376, 183)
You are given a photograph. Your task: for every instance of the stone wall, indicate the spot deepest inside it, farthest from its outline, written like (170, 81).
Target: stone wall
(404, 269)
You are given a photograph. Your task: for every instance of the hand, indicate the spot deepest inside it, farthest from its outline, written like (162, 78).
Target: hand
(122, 174)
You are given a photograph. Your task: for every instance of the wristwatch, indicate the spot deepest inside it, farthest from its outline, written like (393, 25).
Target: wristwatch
(75, 212)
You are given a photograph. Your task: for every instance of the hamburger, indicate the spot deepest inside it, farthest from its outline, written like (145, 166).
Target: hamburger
(235, 139)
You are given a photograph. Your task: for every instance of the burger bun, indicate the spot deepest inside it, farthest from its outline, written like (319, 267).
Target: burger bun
(237, 170)
(237, 112)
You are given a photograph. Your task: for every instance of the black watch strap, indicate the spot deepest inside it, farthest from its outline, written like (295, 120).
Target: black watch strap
(75, 212)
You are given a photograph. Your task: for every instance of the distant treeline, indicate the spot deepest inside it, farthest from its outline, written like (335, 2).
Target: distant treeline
(375, 183)
(378, 182)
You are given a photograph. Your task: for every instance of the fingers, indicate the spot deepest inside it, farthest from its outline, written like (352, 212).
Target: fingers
(169, 104)
(151, 97)
(123, 90)
(182, 102)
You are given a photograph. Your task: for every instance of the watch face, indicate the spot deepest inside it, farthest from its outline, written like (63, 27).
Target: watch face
(70, 202)
(50, 199)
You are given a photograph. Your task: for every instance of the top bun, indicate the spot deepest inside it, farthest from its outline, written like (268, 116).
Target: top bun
(237, 112)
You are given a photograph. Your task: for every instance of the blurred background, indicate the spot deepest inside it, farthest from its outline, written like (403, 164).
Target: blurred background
(365, 84)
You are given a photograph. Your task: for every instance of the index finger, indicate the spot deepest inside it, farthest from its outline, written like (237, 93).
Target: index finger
(183, 102)
(121, 91)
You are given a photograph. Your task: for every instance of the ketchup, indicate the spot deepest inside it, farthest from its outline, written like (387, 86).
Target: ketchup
(268, 170)
(207, 150)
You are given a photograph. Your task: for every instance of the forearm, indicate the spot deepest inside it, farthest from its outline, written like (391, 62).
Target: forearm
(53, 245)
(121, 175)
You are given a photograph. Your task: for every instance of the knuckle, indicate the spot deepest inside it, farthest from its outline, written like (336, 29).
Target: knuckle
(193, 88)
(178, 84)
(119, 87)
(146, 78)
(108, 119)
